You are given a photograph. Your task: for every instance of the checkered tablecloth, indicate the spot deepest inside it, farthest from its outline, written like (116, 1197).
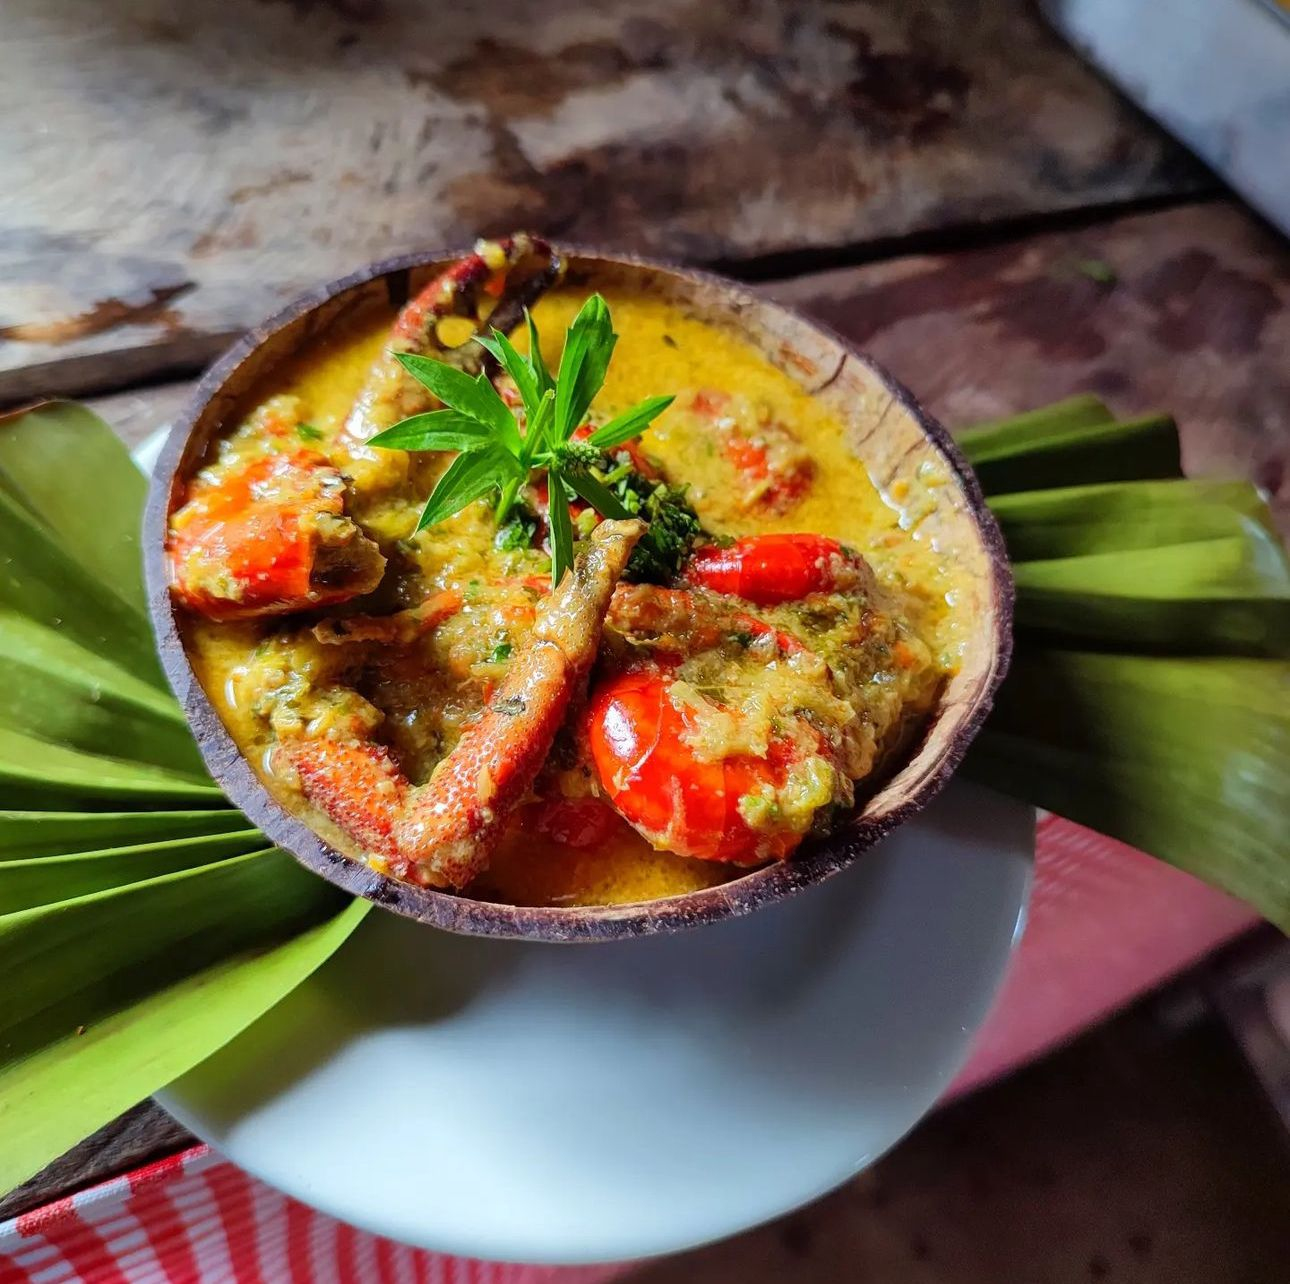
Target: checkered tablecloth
(1106, 923)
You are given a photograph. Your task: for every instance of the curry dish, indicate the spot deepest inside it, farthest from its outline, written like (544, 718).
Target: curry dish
(746, 637)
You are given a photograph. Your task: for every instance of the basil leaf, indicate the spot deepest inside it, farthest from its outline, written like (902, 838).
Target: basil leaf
(472, 396)
(561, 526)
(631, 423)
(468, 477)
(435, 430)
(587, 351)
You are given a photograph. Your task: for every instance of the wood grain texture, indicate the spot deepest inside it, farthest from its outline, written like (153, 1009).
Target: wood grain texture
(1196, 322)
(184, 170)
(137, 1137)
(1186, 310)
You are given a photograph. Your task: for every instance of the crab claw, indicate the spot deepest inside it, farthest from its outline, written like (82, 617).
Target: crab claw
(442, 833)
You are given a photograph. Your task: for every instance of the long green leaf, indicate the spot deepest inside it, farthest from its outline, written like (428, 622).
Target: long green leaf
(57, 690)
(561, 526)
(631, 423)
(517, 366)
(545, 383)
(1185, 758)
(1075, 521)
(27, 834)
(436, 430)
(588, 348)
(1019, 434)
(1068, 456)
(67, 779)
(1220, 596)
(40, 578)
(467, 478)
(90, 501)
(596, 493)
(472, 396)
(43, 880)
(125, 990)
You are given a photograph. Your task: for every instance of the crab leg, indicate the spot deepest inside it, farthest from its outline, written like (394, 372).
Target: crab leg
(443, 832)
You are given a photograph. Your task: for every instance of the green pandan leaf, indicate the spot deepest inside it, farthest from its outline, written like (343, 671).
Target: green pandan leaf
(43, 880)
(67, 779)
(1064, 447)
(91, 501)
(1076, 521)
(125, 990)
(27, 834)
(1227, 596)
(58, 691)
(42, 579)
(1185, 758)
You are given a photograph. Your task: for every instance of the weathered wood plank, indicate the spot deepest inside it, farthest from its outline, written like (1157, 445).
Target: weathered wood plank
(137, 1137)
(1186, 310)
(185, 169)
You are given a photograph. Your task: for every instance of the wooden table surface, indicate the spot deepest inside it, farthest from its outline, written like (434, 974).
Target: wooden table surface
(946, 183)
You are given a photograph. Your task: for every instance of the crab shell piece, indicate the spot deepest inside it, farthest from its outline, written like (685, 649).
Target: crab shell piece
(889, 432)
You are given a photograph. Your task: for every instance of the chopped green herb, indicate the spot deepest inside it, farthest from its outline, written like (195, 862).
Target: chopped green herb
(673, 527)
(307, 432)
(518, 531)
(501, 652)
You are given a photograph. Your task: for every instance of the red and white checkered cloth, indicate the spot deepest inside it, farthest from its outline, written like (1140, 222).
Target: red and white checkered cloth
(1106, 923)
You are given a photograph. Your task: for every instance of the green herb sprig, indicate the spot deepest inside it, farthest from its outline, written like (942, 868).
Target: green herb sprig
(498, 452)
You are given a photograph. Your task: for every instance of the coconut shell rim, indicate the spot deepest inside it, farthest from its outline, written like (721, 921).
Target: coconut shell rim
(813, 863)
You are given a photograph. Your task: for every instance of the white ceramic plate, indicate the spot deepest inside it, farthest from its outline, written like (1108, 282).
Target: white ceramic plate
(544, 1103)
(571, 1104)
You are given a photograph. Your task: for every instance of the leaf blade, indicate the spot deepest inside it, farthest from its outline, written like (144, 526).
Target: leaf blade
(588, 348)
(631, 423)
(503, 351)
(596, 493)
(468, 478)
(560, 524)
(469, 395)
(276, 925)
(435, 430)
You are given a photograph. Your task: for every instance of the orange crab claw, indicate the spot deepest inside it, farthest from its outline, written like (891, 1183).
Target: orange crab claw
(269, 537)
(442, 833)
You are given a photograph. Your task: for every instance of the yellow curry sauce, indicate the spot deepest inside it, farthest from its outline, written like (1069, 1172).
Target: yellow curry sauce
(424, 696)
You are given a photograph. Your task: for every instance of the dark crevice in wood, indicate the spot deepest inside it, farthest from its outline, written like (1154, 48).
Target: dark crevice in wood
(783, 265)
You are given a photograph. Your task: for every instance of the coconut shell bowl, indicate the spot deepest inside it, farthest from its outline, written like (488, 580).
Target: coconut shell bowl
(892, 437)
